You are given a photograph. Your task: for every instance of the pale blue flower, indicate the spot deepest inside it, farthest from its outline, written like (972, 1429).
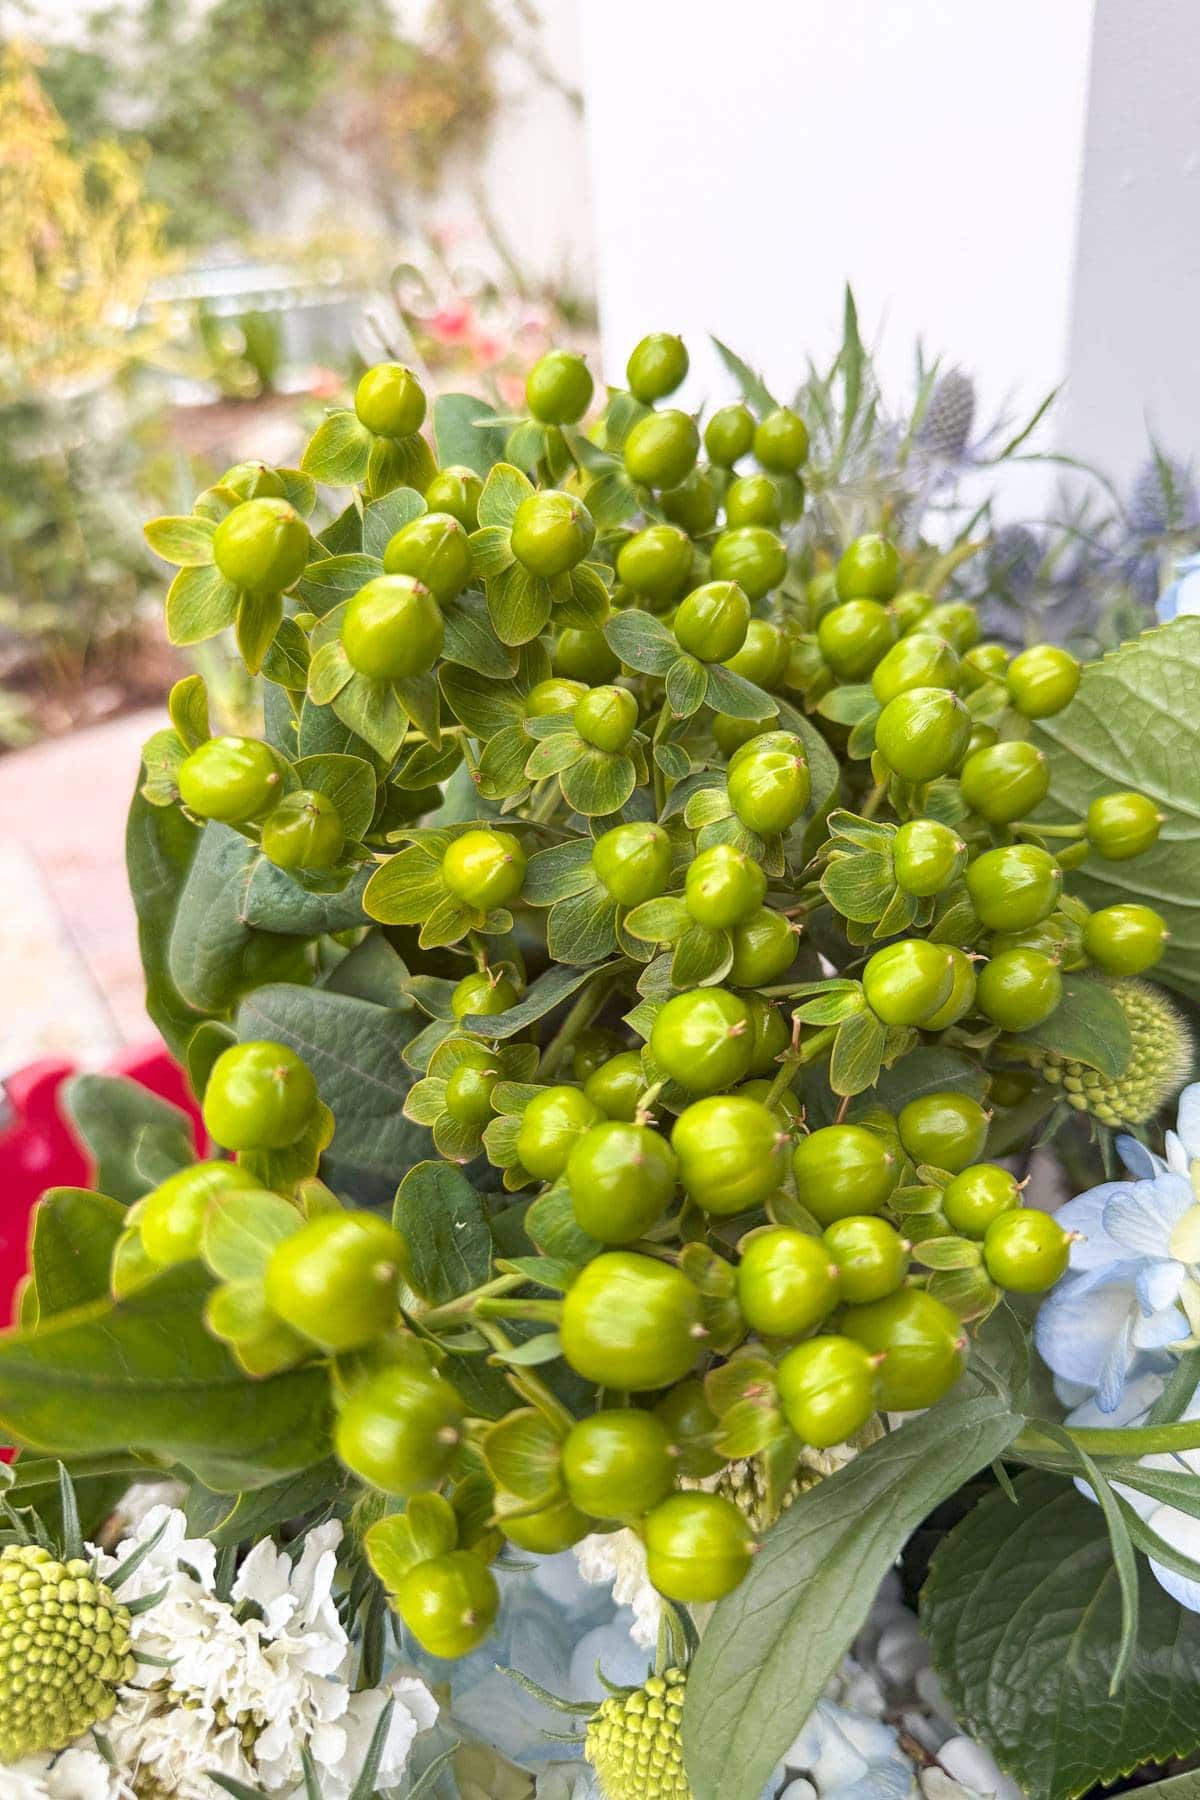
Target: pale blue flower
(1132, 1280)
(845, 1754)
(1182, 596)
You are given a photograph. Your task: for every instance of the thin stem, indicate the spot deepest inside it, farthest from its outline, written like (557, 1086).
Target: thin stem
(525, 1383)
(453, 1311)
(874, 800)
(1036, 829)
(532, 1311)
(578, 1019)
(546, 802)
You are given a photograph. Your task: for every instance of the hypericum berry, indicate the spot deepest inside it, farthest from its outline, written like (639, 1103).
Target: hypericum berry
(1122, 825)
(853, 637)
(731, 1152)
(550, 1126)
(962, 993)
(1026, 1251)
(698, 1547)
(260, 1096)
(171, 1217)
(1043, 680)
(584, 656)
(456, 490)
(907, 983)
(827, 1389)
(254, 481)
(606, 717)
(922, 1343)
(469, 1088)
(553, 696)
(923, 733)
(909, 608)
(483, 993)
(946, 1130)
(393, 628)
(435, 550)
(693, 504)
(449, 1602)
(655, 562)
(592, 1049)
(956, 620)
(691, 1424)
(334, 1281)
(633, 1742)
(769, 788)
(1018, 989)
(559, 387)
(551, 532)
(728, 435)
(703, 1040)
(786, 1282)
(64, 1650)
(400, 1430)
(781, 441)
(547, 1530)
(622, 1178)
(1014, 886)
(751, 555)
(390, 401)
(844, 1169)
(917, 661)
(927, 856)
(977, 1195)
(871, 1257)
(753, 500)
(764, 948)
(304, 831)
(484, 868)
(656, 367)
(1159, 1063)
(868, 569)
(617, 1464)
(769, 1034)
(763, 657)
(233, 779)
(633, 862)
(1126, 939)
(262, 546)
(723, 887)
(711, 622)
(1005, 781)
(617, 1086)
(661, 448)
(631, 1322)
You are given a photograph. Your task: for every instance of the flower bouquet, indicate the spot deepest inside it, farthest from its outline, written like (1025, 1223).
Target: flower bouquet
(624, 983)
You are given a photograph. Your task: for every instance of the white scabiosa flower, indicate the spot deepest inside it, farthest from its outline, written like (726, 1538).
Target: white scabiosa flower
(618, 1560)
(75, 1774)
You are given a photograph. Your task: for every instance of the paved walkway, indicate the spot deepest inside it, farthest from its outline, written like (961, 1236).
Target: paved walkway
(70, 979)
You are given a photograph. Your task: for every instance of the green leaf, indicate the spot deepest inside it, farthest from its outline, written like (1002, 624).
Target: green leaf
(523, 1453)
(599, 783)
(611, 499)
(338, 451)
(642, 642)
(343, 535)
(186, 542)
(1087, 1026)
(753, 389)
(326, 583)
(519, 604)
(491, 551)
(241, 1230)
(503, 491)
(253, 1514)
(465, 435)
(701, 957)
(546, 993)
(146, 1372)
(847, 705)
(484, 704)
(406, 888)
(187, 704)
(441, 1219)
(583, 927)
(859, 886)
(382, 519)
(733, 694)
(200, 602)
(373, 710)
(396, 1544)
(1134, 725)
(687, 685)
(159, 846)
(163, 756)
(857, 1054)
(1124, 1561)
(470, 639)
(773, 1643)
(258, 619)
(930, 1069)
(851, 362)
(1179, 1787)
(1022, 1609)
(354, 1050)
(559, 872)
(74, 1234)
(346, 780)
(659, 921)
(109, 1111)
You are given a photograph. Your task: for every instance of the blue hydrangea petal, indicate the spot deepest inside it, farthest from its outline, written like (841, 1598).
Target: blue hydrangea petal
(1094, 1248)
(1142, 1163)
(1182, 1533)
(1143, 1388)
(1158, 1285)
(1079, 1323)
(1111, 1384)
(1187, 1125)
(1141, 1218)
(1167, 1327)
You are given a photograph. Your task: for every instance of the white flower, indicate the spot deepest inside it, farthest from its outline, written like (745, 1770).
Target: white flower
(619, 1559)
(75, 1774)
(967, 1772)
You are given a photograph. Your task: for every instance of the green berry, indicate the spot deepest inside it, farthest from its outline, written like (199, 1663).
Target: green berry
(171, 1217)
(955, 620)
(923, 733)
(260, 1096)
(853, 637)
(769, 1034)
(1018, 989)
(262, 546)
(456, 491)
(334, 1281)
(712, 621)
(606, 717)
(1122, 825)
(550, 1126)
(693, 504)
(844, 1169)
(909, 608)
(691, 1425)
(723, 887)
(702, 1039)
(631, 1322)
(449, 1603)
(1043, 680)
(233, 779)
(551, 533)
(393, 628)
(769, 788)
(64, 1649)
(781, 441)
(553, 696)
(633, 862)
(622, 1179)
(656, 367)
(400, 1430)
(484, 868)
(752, 556)
(868, 569)
(763, 657)
(592, 1049)
(546, 1531)
(962, 993)
(1014, 886)
(984, 663)
(728, 435)
(764, 948)
(1026, 1251)
(909, 982)
(304, 831)
(617, 1086)
(870, 1255)
(254, 481)
(483, 994)
(435, 550)
(559, 387)
(916, 661)
(617, 1464)
(584, 656)
(661, 449)
(753, 500)
(922, 1343)
(786, 1282)
(469, 1088)
(1126, 939)
(827, 1389)
(927, 856)
(977, 1195)
(945, 1130)
(655, 563)
(731, 1153)
(390, 401)
(698, 1547)
(1005, 781)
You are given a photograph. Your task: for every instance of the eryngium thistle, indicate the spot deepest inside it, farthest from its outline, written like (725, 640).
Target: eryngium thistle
(946, 427)
(1163, 499)
(64, 1651)
(633, 1741)
(1159, 1064)
(1012, 560)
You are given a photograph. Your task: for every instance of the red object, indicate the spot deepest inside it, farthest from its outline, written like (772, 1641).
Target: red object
(39, 1148)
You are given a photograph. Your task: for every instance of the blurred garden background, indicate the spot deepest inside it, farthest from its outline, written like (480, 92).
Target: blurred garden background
(215, 214)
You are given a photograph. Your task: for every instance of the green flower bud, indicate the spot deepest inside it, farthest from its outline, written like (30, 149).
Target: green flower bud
(64, 1651)
(1159, 1064)
(633, 1741)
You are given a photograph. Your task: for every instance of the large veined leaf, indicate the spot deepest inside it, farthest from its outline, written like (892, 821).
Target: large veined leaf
(160, 843)
(1135, 724)
(1023, 1611)
(773, 1643)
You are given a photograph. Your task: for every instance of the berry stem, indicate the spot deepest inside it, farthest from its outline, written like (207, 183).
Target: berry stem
(451, 1313)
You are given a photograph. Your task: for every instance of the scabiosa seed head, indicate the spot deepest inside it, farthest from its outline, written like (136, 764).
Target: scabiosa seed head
(64, 1650)
(1159, 1064)
(633, 1741)
(946, 427)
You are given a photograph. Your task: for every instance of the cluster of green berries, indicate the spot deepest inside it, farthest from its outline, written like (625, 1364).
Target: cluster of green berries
(64, 1650)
